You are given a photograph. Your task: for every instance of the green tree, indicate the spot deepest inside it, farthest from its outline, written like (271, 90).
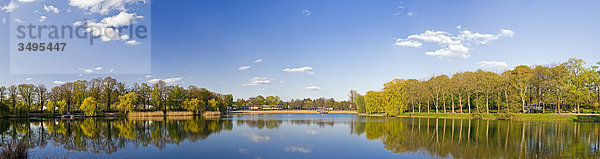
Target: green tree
(127, 103)
(194, 105)
(360, 103)
(51, 107)
(89, 107)
(62, 106)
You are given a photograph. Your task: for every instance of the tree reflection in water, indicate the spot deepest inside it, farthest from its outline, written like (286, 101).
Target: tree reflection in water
(108, 136)
(457, 138)
(461, 138)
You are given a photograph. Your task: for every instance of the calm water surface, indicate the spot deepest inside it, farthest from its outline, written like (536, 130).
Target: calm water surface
(302, 136)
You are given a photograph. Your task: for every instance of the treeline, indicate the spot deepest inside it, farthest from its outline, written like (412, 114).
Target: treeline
(306, 103)
(100, 95)
(568, 87)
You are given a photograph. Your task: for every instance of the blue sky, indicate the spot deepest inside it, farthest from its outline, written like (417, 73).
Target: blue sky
(329, 47)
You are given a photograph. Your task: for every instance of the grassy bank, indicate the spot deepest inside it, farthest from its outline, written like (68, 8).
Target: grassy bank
(503, 116)
(290, 112)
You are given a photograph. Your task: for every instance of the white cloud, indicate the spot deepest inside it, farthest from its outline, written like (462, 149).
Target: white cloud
(103, 6)
(28, 79)
(51, 9)
(452, 46)
(18, 20)
(42, 18)
(409, 43)
(168, 80)
(492, 64)
(11, 6)
(302, 149)
(148, 76)
(243, 67)
(3, 20)
(258, 81)
(256, 137)
(58, 82)
(507, 33)
(26, 1)
(410, 14)
(453, 51)
(78, 23)
(306, 12)
(105, 30)
(132, 43)
(258, 60)
(305, 69)
(90, 70)
(313, 88)
(110, 71)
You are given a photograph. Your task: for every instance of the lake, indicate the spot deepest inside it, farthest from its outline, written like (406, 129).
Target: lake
(302, 136)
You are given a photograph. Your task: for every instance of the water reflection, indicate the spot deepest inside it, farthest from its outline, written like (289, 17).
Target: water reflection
(459, 138)
(308, 137)
(108, 136)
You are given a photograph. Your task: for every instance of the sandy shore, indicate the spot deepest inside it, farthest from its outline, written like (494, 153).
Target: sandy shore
(290, 112)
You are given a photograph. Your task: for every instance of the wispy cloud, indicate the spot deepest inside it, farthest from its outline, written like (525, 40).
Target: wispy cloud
(167, 80)
(305, 69)
(301, 149)
(103, 7)
(313, 88)
(132, 43)
(243, 67)
(51, 9)
(258, 81)
(492, 64)
(42, 18)
(90, 70)
(306, 12)
(11, 6)
(28, 79)
(258, 60)
(59, 82)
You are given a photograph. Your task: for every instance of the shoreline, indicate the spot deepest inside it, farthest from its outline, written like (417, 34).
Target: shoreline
(290, 112)
(568, 117)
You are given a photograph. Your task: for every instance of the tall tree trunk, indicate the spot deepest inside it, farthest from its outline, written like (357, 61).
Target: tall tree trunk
(506, 100)
(428, 108)
(487, 103)
(523, 102)
(469, 102)
(460, 102)
(452, 98)
(444, 99)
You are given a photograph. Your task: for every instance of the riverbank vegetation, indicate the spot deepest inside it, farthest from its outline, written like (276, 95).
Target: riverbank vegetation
(99, 96)
(568, 87)
(104, 96)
